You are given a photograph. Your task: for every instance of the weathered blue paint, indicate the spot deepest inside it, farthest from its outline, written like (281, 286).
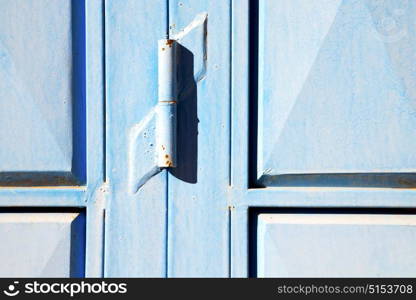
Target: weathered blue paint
(33, 85)
(42, 244)
(283, 243)
(166, 70)
(294, 136)
(166, 113)
(135, 222)
(336, 245)
(166, 109)
(331, 94)
(52, 141)
(153, 230)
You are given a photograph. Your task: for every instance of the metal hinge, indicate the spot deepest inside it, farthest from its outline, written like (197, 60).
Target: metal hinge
(166, 118)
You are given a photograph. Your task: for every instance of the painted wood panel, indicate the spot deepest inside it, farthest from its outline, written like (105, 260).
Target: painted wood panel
(336, 91)
(42, 94)
(198, 236)
(42, 244)
(336, 245)
(52, 71)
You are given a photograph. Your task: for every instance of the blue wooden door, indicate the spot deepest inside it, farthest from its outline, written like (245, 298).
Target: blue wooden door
(326, 183)
(52, 184)
(295, 139)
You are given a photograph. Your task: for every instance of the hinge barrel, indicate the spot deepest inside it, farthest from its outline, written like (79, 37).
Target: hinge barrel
(166, 118)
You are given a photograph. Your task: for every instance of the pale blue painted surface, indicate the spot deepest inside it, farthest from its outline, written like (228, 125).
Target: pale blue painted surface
(336, 245)
(51, 108)
(166, 112)
(206, 194)
(42, 244)
(351, 85)
(337, 87)
(96, 191)
(198, 236)
(350, 80)
(161, 224)
(135, 221)
(36, 86)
